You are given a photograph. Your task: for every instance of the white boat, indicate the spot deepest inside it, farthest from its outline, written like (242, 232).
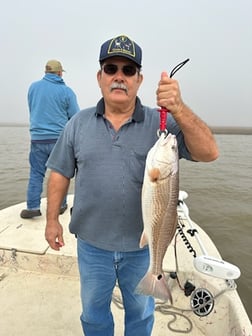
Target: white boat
(39, 287)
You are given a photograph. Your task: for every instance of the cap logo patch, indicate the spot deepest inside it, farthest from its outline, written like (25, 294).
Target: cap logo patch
(122, 44)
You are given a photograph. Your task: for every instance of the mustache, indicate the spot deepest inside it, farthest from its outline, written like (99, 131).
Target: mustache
(121, 86)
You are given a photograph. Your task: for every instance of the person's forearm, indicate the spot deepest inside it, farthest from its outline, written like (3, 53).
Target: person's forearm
(198, 136)
(57, 188)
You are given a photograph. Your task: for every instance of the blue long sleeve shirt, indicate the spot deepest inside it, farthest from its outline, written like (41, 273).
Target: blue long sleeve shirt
(51, 104)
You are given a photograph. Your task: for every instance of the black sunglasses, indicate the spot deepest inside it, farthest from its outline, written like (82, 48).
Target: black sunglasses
(128, 70)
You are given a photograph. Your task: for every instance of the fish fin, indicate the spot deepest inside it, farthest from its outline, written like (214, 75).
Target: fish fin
(143, 240)
(154, 174)
(154, 285)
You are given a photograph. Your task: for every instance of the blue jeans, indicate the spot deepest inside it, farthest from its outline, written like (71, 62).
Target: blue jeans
(99, 271)
(39, 154)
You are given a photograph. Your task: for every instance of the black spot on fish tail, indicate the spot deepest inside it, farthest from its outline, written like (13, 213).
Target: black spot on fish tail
(159, 277)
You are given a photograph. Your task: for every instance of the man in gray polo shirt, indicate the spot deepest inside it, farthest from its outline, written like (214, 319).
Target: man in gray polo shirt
(105, 147)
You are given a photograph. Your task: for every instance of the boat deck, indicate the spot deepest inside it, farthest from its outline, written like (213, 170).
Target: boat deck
(39, 287)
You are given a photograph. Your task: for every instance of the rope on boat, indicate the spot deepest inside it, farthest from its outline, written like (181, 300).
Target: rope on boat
(166, 309)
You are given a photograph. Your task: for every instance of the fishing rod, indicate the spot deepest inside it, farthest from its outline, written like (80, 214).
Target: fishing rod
(206, 264)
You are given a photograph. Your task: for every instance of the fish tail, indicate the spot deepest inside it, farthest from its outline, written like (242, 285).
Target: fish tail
(154, 285)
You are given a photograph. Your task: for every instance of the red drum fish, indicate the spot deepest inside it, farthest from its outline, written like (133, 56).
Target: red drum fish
(159, 208)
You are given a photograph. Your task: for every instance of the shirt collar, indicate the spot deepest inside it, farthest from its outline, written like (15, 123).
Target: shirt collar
(138, 114)
(53, 78)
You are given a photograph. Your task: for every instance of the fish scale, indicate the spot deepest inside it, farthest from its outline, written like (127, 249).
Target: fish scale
(159, 206)
(163, 234)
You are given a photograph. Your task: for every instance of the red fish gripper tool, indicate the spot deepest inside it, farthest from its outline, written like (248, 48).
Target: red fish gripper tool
(163, 117)
(163, 111)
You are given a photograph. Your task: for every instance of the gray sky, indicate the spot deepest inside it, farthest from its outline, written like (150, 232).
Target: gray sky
(215, 34)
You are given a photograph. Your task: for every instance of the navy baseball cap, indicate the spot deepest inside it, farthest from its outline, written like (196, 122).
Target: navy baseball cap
(121, 46)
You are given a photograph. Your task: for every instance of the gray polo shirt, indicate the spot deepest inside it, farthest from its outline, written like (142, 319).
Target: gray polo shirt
(109, 167)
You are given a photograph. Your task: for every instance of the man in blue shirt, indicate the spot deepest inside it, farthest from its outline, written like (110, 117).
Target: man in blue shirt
(105, 148)
(51, 105)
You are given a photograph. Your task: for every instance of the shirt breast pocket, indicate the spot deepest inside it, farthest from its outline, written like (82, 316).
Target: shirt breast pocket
(136, 166)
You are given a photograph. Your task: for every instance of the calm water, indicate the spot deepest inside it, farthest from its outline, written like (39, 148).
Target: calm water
(220, 194)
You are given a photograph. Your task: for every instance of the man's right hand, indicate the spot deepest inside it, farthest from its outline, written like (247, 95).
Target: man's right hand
(54, 234)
